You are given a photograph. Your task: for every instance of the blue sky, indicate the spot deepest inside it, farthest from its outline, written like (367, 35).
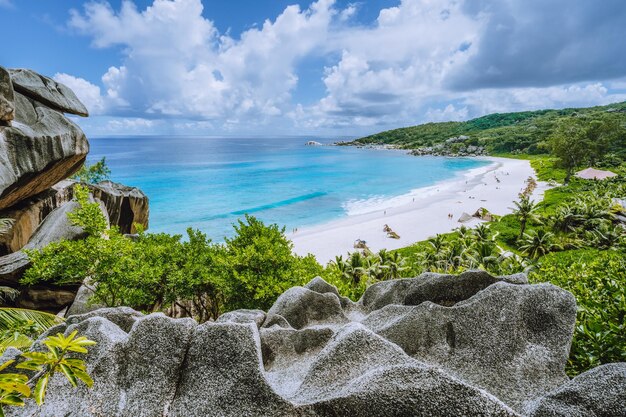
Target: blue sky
(331, 68)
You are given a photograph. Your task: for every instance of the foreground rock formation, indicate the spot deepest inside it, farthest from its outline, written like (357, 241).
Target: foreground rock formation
(436, 345)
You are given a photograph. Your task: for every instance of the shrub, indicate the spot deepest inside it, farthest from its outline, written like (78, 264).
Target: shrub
(93, 174)
(88, 215)
(159, 272)
(598, 281)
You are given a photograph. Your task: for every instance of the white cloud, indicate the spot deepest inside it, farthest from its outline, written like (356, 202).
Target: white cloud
(86, 92)
(6, 4)
(446, 114)
(177, 65)
(516, 99)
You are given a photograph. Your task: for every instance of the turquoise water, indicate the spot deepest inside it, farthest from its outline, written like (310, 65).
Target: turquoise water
(208, 183)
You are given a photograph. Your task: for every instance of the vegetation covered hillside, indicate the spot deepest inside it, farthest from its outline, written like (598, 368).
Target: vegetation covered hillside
(522, 132)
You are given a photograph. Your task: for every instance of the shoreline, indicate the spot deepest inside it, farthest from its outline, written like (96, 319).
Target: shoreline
(422, 212)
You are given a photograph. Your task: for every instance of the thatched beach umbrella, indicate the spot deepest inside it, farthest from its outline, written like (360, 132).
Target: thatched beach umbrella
(595, 174)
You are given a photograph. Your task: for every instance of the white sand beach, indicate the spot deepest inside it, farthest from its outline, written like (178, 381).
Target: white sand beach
(422, 213)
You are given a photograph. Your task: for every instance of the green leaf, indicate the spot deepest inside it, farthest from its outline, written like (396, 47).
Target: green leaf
(6, 365)
(69, 374)
(83, 376)
(40, 389)
(14, 400)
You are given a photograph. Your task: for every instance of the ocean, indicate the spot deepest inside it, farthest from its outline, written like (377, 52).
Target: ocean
(208, 183)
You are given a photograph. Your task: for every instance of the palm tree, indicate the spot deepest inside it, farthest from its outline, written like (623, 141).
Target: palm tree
(525, 212)
(566, 219)
(482, 233)
(20, 327)
(356, 267)
(437, 242)
(538, 243)
(395, 265)
(607, 237)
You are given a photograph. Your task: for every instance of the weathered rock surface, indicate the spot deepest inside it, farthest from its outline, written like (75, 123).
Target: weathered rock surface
(7, 107)
(47, 91)
(600, 392)
(42, 146)
(500, 351)
(27, 215)
(302, 307)
(81, 303)
(125, 205)
(55, 227)
(243, 317)
(511, 340)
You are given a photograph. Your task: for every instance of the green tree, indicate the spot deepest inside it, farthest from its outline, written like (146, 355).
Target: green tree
(198, 284)
(259, 265)
(93, 174)
(538, 243)
(569, 144)
(525, 211)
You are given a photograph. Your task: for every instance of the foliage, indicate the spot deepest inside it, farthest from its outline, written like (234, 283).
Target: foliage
(20, 327)
(520, 133)
(16, 388)
(525, 212)
(538, 243)
(597, 279)
(93, 174)
(578, 141)
(89, 214)
(159, 272)
(354, 274)
(259, 265)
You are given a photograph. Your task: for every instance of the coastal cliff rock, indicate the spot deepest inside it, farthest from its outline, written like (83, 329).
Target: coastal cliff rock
(40, 146)
(28, 214)
(55, 227)
(7, 107)
(495, 347)
(39, 149)
(126, 206)
(47, 91)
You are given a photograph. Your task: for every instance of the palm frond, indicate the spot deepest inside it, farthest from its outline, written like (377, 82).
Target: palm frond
(20, 327)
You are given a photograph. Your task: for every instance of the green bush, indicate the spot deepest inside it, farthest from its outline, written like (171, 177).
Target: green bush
(89, 215)
(160, 272)
(598, 281)
(259, 265)
(93, 174)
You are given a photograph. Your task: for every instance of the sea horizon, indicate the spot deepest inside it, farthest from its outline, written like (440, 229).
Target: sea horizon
(208, 182)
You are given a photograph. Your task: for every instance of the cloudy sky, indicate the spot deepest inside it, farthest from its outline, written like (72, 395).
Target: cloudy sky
(330, 68)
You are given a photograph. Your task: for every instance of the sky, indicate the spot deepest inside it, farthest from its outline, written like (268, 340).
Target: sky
(320, 68)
